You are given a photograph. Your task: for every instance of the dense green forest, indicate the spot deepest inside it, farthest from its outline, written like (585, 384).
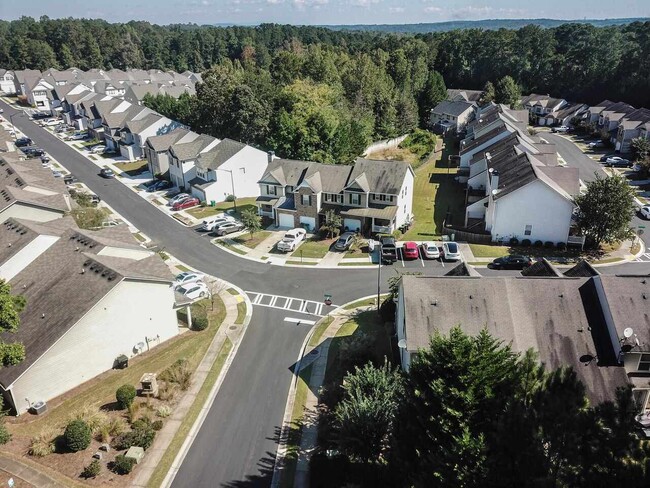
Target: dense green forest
(316, 93)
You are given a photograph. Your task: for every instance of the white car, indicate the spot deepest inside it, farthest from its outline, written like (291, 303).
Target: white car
(177, 198)
(57, 174)
(595, 144)
(291, 240)
(645, 212)
(98, 149)
(451, 251)
(430, 250)
(77, 137)
(562, 128)
(213, 224)
(618, 162)
(194, 290)
(187, 277)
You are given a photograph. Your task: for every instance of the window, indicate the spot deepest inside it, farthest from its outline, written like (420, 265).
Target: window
(355, 199)
(528, 230)
(271, 190)
(644, 363)
(306, 200)
(289, 189)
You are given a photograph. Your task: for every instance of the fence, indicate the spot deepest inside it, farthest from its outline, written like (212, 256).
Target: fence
(383, 145)
(467, 236)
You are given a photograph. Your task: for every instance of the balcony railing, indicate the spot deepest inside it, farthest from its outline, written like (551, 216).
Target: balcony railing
(381, 229)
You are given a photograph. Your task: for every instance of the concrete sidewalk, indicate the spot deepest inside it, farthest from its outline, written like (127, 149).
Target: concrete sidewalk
(154, 455)
(27, 473)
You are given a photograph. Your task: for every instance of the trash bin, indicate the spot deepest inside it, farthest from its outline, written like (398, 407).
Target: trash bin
(213, 203)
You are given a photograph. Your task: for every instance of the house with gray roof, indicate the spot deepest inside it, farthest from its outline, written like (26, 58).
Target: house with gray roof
(630, 127)
(371, 196)
(156, 149)
(39, 93)
(88, 300)
(21, 75)
(451, 115)
(540, 107)
(228, 168)
(597, 325)
(7, 85)
(29, 190)
(183, 156)
(133, 133)
(455, 94)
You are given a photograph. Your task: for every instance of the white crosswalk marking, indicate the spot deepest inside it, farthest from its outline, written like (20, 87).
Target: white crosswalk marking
(296, 305)
(644, 258)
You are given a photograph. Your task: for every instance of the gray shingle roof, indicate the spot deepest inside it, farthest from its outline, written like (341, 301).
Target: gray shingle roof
(382, 176)
(453, 107)
(190, 150)
(541, 268)
(219, 154)
(162, 142)
(581, 270)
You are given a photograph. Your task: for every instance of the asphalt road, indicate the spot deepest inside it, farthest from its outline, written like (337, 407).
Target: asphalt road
(237, 443)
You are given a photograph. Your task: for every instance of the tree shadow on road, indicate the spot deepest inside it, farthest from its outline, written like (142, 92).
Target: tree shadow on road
(262, 479)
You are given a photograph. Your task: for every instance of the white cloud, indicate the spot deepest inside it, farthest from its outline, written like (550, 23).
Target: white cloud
(472, 12)
(363, 3)
(433, 10)
(396, 10)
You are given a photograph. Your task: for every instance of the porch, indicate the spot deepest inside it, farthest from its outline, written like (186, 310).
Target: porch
(371, 220)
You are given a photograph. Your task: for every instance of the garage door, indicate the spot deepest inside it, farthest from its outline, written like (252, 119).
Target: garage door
(352, 224)
(308, 222)
(286, 220)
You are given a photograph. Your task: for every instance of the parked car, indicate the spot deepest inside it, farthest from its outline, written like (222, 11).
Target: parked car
(41, 115)
(430, 250)
(451, 251)
(344, 241)
(229, 228)
(106, 173)
(291, 239)
(618, 162)
(32, 151)
(194, 290)
(186, 278)
(159, 185)
(410, 250)
(23, 141)
(100, 148)
(50, 122)
(645, 212)
(388, 249)
(178, 198)
(57, 174)
(70, 179)
(213, 224)
(187, 203)
(560, 129)
(595, 144)
(60, 128)
(511, 262)
(79, 136)
(637, 168)
(605, 157)
(45, 158)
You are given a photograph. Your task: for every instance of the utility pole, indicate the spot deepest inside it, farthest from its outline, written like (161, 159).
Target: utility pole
(378, 276)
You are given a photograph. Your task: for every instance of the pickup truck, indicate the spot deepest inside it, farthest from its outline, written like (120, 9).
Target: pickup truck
(388, 250)
(291, 240)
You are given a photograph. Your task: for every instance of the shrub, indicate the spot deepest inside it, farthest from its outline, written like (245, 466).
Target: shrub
(561, 246)
(397, 234)
(142, 437)
(103, 434)
(525, 242)
(115, 426)
(538, 244)
(125, 395)
(77, 435)
(230, 198)
(549, 245)
(5, 435)
(167, 392)
(92, 470)
(93, 417)
(178, 373)
(199, 323)
(157, 424)
(132, 412)
(514, 241)
(42, 444)
(164, 411)
(123, 464)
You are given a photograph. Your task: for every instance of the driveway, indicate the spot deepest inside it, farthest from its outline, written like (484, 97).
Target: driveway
(236, 444)
(574, 157)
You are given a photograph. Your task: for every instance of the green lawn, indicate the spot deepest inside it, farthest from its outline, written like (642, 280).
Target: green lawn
(252, 241)
(435, 195)
(241, 312)
(242, 204)
(191, 345)
(365, 302)
(304, 263)
(487, 251)
(313, 248)
(572, 254)
(134, 168)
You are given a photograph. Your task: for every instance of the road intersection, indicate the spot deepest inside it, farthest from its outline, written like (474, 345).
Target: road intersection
(237, 442)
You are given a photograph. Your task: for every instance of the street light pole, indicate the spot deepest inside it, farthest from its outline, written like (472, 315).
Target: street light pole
(232, 183)
(378, 276)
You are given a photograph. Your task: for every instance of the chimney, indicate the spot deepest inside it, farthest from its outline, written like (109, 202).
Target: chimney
(494, 179)
(271, 156)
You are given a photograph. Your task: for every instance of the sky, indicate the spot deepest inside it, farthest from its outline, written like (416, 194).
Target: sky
(322, 12)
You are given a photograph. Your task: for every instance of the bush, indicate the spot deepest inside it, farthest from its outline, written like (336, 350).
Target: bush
(514, 241)
(143, 437)
(5, 435)
(549, 245)
(230, 198)
(420, 142)
(164, 411)
(132, 412)
(123, 464)
(157, 424)
(178, 373)
(125, 395)
(42, 444)
(167, 392)
(93, 417)
(397, 234)
(561, 246)
(199, 323)
(92, 470)
(538, 244)
(525, 242)
(77, 435)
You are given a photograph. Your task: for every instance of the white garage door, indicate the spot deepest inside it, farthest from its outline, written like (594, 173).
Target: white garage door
(286, 220)
(352, 224)
(308, 222)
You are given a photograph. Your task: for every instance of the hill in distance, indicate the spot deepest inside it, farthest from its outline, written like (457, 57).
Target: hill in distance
(490, 24)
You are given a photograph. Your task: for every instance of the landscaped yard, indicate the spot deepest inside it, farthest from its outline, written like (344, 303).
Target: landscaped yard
(252, 241)
(313, 248)
(571, 254)
(488, 251)
(436, 198)
(242, 204)
(133, 168)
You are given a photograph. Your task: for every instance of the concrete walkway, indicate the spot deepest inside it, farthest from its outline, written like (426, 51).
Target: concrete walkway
(26, 473)
(150, 463)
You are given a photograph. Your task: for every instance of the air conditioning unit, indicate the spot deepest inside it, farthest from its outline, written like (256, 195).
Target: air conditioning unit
(39, 408)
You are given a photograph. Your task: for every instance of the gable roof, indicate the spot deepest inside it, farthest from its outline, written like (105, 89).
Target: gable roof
(582, 269)
(381, 176)
(467, 95)
(453, 107)
(219, 154)
(162, 142)
(541, 268)
(190, 150)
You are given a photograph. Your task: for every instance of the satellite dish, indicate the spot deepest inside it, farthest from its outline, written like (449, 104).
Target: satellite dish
(402, 344)
(628, 332)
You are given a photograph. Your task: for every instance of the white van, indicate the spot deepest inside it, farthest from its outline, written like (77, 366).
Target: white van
(209, 223)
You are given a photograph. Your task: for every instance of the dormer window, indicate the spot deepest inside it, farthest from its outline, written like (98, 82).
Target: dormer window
(355, 199)
(271, 190)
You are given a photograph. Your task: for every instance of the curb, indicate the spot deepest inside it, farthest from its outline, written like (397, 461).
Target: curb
(189, 440)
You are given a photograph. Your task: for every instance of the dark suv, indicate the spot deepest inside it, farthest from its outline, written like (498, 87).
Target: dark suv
(388, 249)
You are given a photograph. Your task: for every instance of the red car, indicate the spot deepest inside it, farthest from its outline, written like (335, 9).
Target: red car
(410, 250)
(188, 203)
